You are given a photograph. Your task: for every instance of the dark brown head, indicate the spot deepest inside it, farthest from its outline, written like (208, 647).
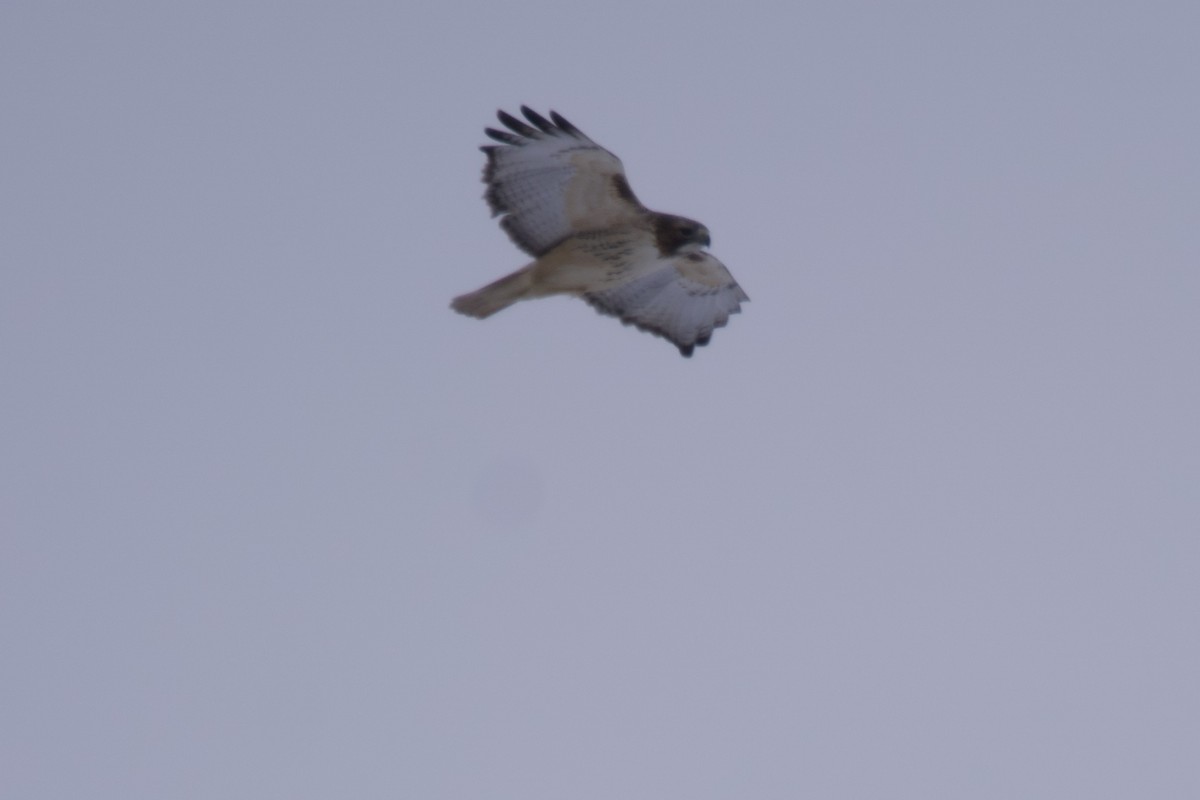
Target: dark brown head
(677, 234)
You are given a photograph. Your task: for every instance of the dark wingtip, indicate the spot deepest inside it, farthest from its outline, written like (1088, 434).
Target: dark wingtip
(543, 124)
(503, 136)
(516, 125)
(567, 127)
(685, 350)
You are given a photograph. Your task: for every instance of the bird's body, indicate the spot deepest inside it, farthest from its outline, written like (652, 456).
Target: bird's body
(565, 200)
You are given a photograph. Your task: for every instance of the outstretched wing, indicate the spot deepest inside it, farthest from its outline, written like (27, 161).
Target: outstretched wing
(550, 181)
(683, 299)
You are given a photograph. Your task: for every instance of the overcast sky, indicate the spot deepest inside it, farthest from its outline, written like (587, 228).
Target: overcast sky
(922, 522)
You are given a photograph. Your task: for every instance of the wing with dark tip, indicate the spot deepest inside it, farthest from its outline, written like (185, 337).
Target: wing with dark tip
(682, 299)
(547, 181)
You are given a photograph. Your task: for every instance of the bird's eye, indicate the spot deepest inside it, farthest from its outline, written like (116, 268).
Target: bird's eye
(687, 230)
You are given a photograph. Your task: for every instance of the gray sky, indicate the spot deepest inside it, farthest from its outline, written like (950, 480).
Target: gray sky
(920, 523)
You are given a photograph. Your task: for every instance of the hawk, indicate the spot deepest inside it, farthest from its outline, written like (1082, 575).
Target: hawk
(564, 200)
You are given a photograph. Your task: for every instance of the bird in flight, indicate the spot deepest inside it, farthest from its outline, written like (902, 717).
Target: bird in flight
(564, 200)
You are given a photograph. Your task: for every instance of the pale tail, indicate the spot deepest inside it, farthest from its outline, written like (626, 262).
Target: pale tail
(496, 296)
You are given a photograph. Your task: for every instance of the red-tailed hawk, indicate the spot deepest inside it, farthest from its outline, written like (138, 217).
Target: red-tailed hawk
(565, 201)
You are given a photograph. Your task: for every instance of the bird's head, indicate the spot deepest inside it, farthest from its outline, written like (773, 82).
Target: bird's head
(680, 234)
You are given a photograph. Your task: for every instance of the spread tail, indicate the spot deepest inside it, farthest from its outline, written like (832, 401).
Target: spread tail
(496, 296)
